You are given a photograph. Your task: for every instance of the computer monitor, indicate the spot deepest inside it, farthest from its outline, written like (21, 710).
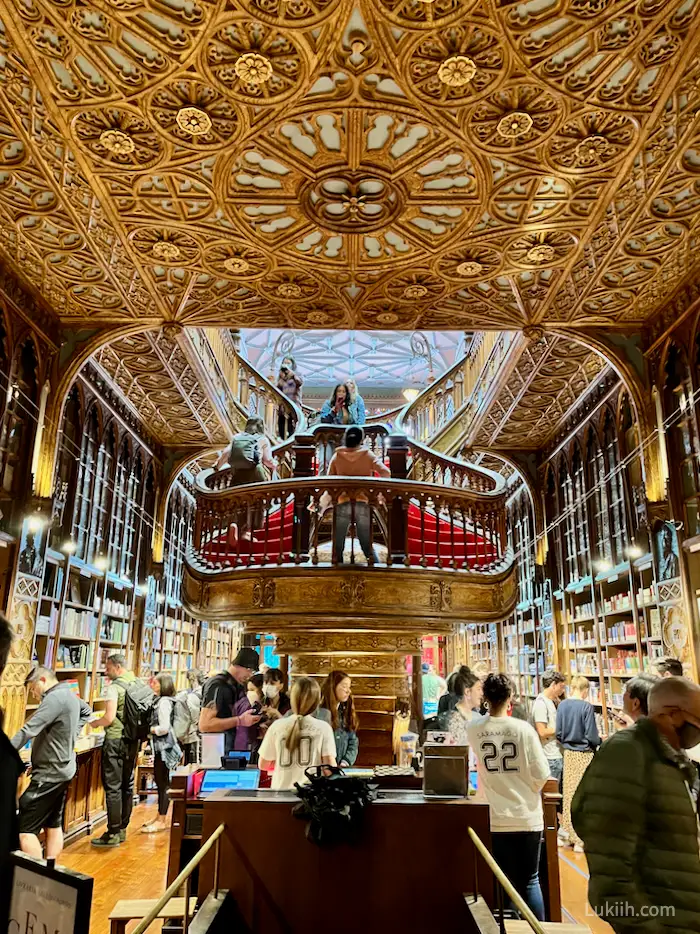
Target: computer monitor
(223, 780)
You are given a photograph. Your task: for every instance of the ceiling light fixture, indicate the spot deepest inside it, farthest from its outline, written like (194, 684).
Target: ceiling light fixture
(410, 395)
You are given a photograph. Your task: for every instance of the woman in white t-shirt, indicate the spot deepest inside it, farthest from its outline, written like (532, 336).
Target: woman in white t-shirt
(513, 770)
(298, 742)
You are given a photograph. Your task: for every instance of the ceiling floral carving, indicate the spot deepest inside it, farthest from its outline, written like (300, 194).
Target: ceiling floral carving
(379, 163)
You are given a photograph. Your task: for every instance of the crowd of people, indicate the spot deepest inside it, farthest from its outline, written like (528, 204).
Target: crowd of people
(630, 803)
(248, 704)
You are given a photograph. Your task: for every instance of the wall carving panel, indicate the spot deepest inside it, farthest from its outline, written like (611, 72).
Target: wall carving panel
(326, 163)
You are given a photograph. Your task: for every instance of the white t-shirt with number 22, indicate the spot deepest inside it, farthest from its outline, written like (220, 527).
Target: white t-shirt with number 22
(317, 742)
(512, 771)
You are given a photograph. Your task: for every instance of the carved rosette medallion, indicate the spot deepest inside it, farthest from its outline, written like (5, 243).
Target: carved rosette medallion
(353, 202)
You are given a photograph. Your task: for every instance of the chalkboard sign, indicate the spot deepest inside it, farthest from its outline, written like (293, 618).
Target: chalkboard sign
(38, 898)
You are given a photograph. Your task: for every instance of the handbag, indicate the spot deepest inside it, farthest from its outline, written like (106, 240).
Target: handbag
(333, 804)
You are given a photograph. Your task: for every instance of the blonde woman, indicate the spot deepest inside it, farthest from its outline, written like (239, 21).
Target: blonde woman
(577, 734)
(297, 742)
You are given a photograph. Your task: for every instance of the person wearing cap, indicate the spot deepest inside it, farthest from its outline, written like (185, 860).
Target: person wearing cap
(636, 812)
(222, 692)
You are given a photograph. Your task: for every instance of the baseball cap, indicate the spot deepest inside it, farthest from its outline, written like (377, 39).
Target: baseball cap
(247, 658)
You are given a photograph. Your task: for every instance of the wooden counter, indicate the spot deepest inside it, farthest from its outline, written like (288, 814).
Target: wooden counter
(408, 873)
(85, 802)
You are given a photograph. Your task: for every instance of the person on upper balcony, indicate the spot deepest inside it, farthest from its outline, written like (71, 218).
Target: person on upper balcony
(289, 384)
(338, 410)
(250, 453)
(353, 459)
(357, 403)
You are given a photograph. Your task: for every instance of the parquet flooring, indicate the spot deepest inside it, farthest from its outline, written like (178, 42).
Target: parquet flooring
(136, 869)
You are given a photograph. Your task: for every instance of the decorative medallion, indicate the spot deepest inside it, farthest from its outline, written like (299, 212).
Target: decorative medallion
(387, 317)
(457, 71)
(264, 593)
(592, 150)
(469, 269)
(289, 290)
(253, 68)
(352, 202)
(415, 291)
(236, 265)
(117, 142)
(515, 124)
(165, 250)
(194, 121)
(542, 253)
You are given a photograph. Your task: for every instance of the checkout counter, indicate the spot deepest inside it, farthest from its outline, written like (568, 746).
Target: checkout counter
(409, 872)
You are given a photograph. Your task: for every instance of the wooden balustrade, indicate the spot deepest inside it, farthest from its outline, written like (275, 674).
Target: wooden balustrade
(459, 386)
(253, 392)
(325, 439)
(397, 522)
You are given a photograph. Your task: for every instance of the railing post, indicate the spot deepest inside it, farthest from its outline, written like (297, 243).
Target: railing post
(398, 451)
(303, 454)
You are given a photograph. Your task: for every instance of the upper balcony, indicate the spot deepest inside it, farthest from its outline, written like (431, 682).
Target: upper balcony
(434, 533)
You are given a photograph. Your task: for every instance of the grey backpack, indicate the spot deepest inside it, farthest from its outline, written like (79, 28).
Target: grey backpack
(244, 452)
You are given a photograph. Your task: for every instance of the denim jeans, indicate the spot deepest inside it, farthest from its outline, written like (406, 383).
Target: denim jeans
(518, 855)
(343, 518)
(556, 769)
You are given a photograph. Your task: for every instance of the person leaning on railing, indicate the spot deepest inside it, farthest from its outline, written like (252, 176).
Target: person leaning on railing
(352, 459)
(250, 453)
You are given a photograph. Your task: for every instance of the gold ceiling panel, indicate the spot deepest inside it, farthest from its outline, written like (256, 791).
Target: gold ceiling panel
(378, 163)
(551, 377)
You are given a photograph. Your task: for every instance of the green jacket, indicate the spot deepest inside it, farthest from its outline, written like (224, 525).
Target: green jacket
(639, 826)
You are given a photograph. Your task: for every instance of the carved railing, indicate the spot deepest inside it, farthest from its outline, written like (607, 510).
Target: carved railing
(324, 439)
(459, 387)
(253, 393)
(429, 466)
(294, 521)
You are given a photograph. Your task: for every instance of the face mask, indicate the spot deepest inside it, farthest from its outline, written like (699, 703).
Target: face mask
(270, 691)
(689, 735)
(252, 697)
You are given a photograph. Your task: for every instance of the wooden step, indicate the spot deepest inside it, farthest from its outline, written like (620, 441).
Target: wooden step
(134, 909)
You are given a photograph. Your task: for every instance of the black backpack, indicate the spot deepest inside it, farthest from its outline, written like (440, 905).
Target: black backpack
(139, 701)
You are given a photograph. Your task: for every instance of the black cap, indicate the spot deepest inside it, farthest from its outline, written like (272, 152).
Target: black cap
(247, 658)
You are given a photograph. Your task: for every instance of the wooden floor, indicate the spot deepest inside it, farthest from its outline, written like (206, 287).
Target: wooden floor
(137, 870)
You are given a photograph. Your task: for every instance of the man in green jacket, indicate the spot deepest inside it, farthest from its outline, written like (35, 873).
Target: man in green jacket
(636, 812)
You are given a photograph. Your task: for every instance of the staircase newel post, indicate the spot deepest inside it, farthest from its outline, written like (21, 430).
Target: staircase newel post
(398, 451)
(303, 456)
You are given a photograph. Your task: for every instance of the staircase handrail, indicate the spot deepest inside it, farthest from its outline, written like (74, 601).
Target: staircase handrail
(284, 451)
(265, 399)
(444, 469)
(443, 400)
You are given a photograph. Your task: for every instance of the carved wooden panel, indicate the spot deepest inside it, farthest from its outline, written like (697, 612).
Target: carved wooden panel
(353, 664)
(327, 163)
(289, 643)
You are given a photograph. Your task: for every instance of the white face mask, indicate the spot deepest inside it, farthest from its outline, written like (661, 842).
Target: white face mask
(252, 697)
(270, 691)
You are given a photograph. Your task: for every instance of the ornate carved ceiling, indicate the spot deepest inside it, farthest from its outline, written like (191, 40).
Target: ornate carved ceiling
(324, 163)
(154, 377)
(551, 378)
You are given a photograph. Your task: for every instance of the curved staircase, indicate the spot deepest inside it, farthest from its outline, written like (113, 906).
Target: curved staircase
(262, 555)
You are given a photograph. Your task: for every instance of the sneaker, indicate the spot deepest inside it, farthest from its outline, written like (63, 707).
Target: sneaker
(107, 839)
(122, 836)
(578, 848)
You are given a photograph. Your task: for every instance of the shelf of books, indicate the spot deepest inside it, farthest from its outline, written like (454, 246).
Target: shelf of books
(611, 632)
(85, 615)
(169, 638)
(528, 645)
(218, 644)
(482, 645)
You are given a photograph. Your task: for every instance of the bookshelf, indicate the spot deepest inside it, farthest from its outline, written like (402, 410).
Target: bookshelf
(218, 644)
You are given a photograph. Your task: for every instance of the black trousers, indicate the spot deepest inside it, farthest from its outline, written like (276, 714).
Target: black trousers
(190, 752)
(118, 764)
(161, 773)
